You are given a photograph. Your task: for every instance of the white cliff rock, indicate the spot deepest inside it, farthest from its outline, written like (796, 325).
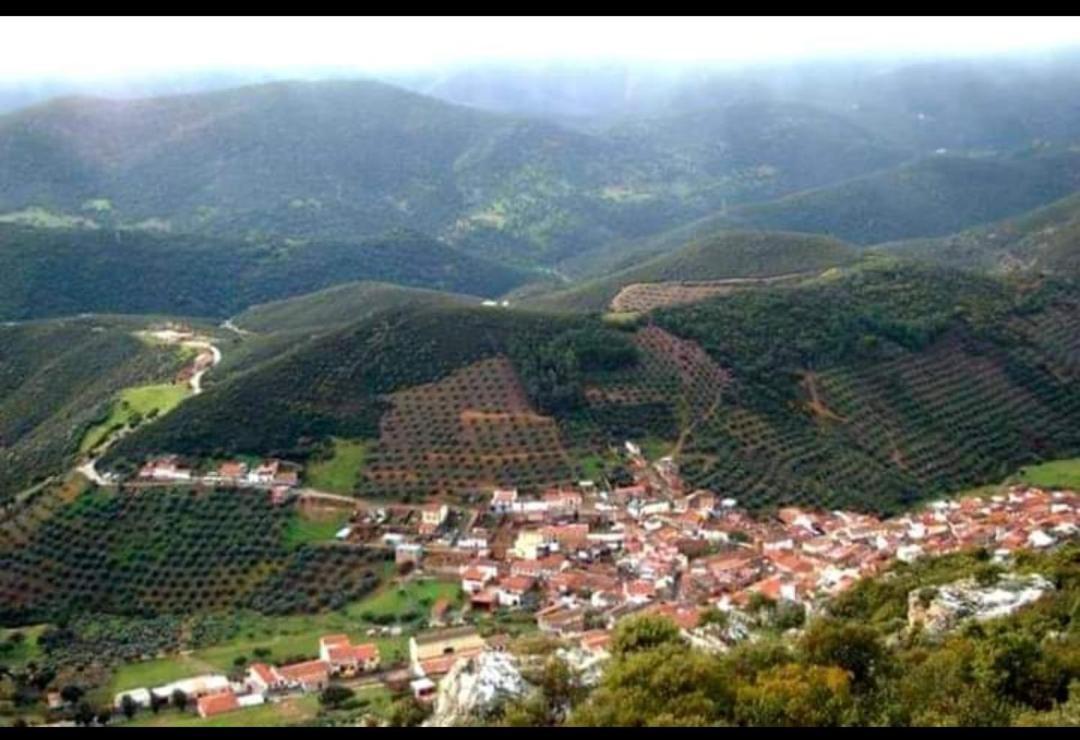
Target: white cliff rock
(475, 687)
(945, 607)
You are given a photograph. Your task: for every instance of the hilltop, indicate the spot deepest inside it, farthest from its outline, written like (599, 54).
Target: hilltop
(339, 305)
(726, 255)
(341, 160)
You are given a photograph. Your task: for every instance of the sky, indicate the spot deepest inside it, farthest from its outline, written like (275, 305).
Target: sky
(118, 48)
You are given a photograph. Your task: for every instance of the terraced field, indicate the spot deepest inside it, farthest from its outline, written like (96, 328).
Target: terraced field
(883, 435)
(473, 429)
(644, 297)
(164, 551)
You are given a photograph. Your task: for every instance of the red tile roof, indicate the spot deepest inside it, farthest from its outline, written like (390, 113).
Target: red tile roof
(217, 704)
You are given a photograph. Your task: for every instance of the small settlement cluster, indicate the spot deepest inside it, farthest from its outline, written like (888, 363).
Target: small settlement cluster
(339, 661)
(580, 558)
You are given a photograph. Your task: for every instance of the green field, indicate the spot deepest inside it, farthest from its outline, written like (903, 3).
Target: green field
(18, 652)
(150, 673)
(135, 403)
(293, 636)
(290, 711)
(305, 528)
(398, 600)
(1056, 474)
(341, 472)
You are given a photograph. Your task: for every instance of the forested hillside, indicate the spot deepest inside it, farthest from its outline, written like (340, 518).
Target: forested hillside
(62, 271)
(713, 257)
(56, 380)
(870, 389)
(1045, 240)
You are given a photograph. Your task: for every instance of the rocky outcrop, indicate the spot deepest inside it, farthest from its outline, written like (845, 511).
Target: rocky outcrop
(943, 608)
(476, 687)
(588, 666)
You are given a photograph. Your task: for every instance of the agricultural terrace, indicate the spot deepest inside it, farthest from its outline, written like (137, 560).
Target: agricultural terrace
(176, 551)
(644, 297)
(845, 402)
(471, 430)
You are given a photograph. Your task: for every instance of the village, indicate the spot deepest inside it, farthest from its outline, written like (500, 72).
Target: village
(575, 560)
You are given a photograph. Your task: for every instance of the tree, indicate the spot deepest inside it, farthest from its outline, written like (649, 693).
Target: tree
(408, 712)
(643, 632)
(333, 696)
(854, 647)
(670, 683)
(788, 615)
(71, 693)
(715, 616)
(104, 715)
(84, 714)
(795, 695)
(179, 700)
(128, 706)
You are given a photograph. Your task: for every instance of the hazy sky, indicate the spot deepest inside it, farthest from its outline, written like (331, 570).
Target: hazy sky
(87, 48)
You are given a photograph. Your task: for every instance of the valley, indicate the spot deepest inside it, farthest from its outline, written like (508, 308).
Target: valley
(544, 396)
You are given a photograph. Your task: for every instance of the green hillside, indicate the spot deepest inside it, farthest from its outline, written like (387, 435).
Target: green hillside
(872, 388)
(62, 271)
(335, 385)
(718, 256)
(1045, 240)
(930, 197)
(924, 198)
(57, 379)
(339, 305)
(341, 160)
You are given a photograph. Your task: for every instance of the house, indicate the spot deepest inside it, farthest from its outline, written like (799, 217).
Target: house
(485, 599)
(408, 552)
(596, 642)
(434, 653)
(512, 590)
(288, 478)
(214, 704)
(424, 689)
(474, 578)
(263, 679)
(503, 500)
(264, 474)
(530, 544)
(561, 620)
(167, 468)
(569, 536)
(347, 659)
(476, 541)
(639, 591)
(233, 471)
(563, 501)
(141, 697)
(311, 675)
(432, 516)
(195, 687)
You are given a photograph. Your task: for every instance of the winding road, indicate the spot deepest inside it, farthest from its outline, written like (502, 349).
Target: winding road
(89, 467)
